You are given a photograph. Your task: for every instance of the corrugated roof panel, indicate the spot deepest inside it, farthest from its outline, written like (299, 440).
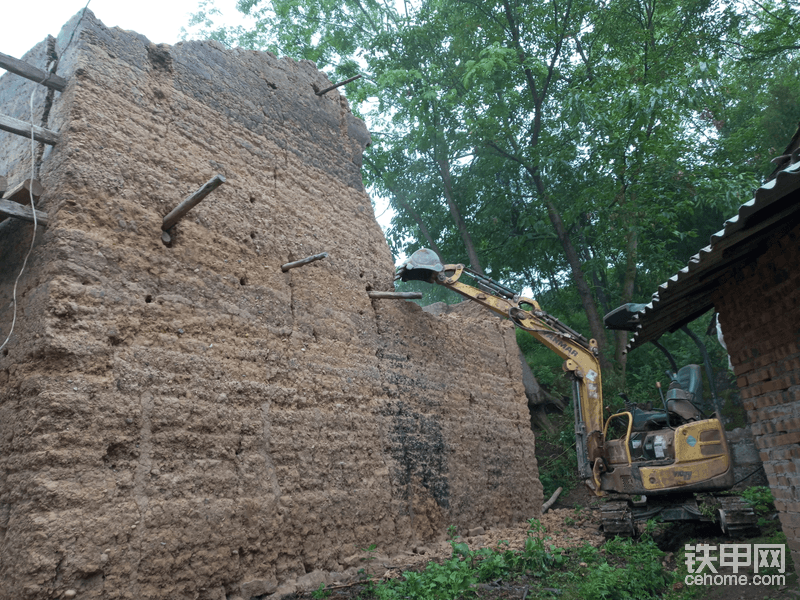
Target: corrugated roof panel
(655, 318)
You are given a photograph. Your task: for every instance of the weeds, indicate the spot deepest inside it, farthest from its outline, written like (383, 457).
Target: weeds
(630, 570)
(760, 498)
(623, 569)
(370, 556)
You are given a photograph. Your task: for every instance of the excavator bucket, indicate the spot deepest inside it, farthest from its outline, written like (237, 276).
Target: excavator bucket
(624, 317)
(423, 265)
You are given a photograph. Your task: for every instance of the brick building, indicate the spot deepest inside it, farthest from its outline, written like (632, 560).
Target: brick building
(749, 275)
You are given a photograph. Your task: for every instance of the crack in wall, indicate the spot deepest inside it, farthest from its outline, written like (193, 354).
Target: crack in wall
(291, 301)
(50, 67)
(143, 468)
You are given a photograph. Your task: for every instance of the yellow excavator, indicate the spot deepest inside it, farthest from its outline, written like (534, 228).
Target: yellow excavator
(663, 463)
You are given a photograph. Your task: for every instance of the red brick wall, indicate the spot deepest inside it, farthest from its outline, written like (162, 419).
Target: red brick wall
(759, 307)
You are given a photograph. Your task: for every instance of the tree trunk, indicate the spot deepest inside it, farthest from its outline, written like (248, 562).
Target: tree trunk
(539, 94)
(596, 328)
(444, 170)
(627, 295)
(423, 228)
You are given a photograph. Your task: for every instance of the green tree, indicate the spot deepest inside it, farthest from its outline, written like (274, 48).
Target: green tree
(582, 148)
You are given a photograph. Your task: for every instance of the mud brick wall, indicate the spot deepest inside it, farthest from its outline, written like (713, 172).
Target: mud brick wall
(759, 306)
(190, 421)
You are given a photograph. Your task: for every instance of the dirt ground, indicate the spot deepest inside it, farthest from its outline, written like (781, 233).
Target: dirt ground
(566, 528)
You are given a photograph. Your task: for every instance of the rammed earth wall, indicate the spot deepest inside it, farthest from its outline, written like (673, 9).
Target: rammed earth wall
(190, 421)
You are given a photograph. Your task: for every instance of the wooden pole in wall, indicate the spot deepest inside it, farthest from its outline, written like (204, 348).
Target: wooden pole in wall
(303, 262)
(22, 191)
(395, 295)
(191, 201)
(17, 211)
(341, 83)
(13, 204)
(23, 69)
(12, 125)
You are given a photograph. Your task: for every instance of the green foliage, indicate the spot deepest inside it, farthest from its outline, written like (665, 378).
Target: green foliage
(544, 363)
(558, 469)
(320, 593)
(778, 537)
(456, 577)
(623, 569)
(539, 556)
(629, 571)
(588, 554)
(638, 127)
(449, 580)
(370, 556)
(760, 498)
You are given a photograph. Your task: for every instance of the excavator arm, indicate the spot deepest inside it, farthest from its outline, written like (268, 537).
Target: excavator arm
(579, 354)
(669, 455)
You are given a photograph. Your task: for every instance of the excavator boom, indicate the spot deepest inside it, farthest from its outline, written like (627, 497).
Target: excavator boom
(579, 354)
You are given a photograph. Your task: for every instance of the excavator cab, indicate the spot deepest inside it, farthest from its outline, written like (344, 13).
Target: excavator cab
(667, 456)
(685, 389)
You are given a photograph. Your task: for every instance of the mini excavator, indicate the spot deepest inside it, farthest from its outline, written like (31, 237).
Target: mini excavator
(671, 460)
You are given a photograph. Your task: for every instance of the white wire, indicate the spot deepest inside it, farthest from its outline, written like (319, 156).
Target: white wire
(33, 237)
(33, 175)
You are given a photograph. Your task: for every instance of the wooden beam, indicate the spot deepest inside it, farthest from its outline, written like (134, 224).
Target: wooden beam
(17, 211)
(23, 69)
(546, 506)
(191, 201)
(396, 295)
(21, 192)
(22, 128)
(303, 262)
(334, 86)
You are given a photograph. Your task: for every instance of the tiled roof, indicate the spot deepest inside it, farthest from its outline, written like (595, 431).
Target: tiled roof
(687, 294)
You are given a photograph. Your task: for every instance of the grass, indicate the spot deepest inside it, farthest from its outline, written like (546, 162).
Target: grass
(622, 569)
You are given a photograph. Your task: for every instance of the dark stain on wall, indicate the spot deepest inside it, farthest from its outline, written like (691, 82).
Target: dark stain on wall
(417, 445)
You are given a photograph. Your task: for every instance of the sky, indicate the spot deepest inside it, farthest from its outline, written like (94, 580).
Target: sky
(160, 20)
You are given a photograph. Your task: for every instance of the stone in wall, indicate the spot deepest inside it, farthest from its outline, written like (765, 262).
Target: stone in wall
(190, 421)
